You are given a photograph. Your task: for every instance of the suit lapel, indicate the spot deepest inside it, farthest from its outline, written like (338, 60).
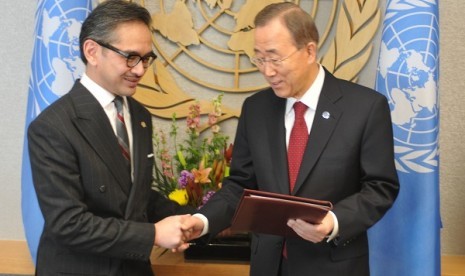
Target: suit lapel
(139, 129)
(93, 124)
(326, 117)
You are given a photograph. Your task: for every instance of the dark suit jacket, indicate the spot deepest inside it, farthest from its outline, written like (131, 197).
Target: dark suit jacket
(96, 220)
(348, 161)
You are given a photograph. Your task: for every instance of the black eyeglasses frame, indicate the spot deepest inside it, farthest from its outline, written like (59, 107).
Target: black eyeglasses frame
(132, 59)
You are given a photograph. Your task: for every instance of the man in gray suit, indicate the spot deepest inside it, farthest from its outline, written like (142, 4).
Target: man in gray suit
(348, 158)
(101, 215)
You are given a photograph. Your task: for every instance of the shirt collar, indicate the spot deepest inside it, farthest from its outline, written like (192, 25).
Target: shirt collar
(103, 96)
(310, 98)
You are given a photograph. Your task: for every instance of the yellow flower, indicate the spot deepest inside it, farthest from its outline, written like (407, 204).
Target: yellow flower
(180, 196)
(195, 169)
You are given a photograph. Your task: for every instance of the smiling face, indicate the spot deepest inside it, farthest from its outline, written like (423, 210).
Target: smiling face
(296, 73)
(109, 69)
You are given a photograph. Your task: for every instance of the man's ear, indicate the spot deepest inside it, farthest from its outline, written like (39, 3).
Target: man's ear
(90, 51)
(312, 50)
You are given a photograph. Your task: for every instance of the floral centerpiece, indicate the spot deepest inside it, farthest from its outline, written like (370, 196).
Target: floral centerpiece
(192, 171)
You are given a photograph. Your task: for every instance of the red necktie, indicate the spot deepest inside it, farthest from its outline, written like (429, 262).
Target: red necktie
(295, 150)
(297, 143)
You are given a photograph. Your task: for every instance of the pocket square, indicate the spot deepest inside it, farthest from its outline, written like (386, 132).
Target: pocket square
(150, 155)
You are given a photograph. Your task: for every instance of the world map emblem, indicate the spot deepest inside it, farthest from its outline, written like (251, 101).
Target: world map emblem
(56, 63)
(408, 75)
(205, 46)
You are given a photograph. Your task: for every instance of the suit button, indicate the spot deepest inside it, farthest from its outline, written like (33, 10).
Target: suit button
(336, 241)
(102, 188)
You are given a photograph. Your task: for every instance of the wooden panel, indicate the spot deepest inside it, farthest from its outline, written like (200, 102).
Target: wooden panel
(15, 258)
(166, 263)
(453, 265)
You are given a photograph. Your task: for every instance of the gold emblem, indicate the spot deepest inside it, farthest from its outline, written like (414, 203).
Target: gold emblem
(204, 48)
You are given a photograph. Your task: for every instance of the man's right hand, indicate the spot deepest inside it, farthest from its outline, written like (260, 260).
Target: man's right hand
(169, 233)
(191, 227)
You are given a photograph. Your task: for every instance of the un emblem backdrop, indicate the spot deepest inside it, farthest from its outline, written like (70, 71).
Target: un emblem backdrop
(55, 66)
(407, 239)
(205, 46)
(408, 75)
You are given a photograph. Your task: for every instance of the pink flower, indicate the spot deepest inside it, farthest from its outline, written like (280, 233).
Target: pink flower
(212, 119)
(193, 119)
(203, 160)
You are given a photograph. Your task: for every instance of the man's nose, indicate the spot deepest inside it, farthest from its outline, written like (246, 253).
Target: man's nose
(268, 69)
(139, 69)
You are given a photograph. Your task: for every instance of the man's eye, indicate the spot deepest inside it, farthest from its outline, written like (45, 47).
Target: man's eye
(273, 60)
(133, 58)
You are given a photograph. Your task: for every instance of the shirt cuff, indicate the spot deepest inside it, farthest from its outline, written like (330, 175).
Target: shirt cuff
(335, 231)
(205, 223)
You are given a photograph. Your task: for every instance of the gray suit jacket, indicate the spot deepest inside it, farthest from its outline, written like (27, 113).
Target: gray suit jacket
(97, 222)
(349, 161)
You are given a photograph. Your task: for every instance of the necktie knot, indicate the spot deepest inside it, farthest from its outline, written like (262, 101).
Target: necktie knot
(118, 104)
(299, 109)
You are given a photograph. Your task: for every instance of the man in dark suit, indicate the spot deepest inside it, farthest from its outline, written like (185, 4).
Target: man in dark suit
(347, 160)
(97, 201)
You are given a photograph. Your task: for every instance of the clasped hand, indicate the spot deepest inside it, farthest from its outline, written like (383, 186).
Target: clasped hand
(174, 232)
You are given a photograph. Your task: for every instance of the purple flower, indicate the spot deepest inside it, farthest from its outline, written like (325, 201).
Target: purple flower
(184, 178)
(207, 196)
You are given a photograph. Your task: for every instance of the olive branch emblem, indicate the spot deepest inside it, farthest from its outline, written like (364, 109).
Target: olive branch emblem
(349, 50)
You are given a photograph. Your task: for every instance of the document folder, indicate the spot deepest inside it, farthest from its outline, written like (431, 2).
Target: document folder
(268, 213)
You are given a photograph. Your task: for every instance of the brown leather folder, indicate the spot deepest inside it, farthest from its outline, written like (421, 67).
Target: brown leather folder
(268, 213)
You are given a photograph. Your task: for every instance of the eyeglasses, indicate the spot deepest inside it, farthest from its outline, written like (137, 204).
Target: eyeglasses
(276, 62)
(132, 59)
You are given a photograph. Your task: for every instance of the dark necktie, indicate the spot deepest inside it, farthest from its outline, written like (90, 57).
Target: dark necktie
(121, 131)
(297, 143)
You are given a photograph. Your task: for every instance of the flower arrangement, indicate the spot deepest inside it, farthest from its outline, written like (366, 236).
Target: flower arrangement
(191, 172)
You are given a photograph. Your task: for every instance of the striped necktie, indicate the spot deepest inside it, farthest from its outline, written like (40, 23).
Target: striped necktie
(121, 131)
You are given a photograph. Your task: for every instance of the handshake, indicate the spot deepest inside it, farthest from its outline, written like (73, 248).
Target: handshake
(174, 232)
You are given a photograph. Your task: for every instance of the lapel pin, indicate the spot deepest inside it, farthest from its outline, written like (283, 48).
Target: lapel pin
(143, 124)
(326, 115)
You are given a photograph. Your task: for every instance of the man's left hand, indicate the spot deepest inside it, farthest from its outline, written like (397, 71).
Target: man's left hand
(312, 232)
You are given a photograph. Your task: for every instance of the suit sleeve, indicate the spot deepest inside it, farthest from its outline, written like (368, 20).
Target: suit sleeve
(160, 207)
(379, 182)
